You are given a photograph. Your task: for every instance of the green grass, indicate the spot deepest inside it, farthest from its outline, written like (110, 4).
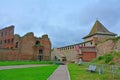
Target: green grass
(7, 63)
(36, 73)
(80, 73)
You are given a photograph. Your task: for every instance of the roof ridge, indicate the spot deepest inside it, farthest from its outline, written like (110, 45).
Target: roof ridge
(99, 28)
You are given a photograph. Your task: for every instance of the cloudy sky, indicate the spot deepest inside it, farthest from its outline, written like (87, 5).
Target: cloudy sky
(65, 21)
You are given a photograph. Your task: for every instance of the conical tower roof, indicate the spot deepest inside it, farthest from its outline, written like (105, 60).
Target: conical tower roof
(99, 28)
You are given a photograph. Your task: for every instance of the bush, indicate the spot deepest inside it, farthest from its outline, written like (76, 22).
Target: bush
(108, 58)
(100, 57)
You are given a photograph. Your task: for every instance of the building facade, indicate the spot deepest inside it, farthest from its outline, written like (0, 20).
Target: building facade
(7, 37)
(28, 47)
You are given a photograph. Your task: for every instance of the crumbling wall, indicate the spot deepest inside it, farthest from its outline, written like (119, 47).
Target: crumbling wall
(12, 54)
(45, 41)
(108, 46)
(24, 48)
(26, 44)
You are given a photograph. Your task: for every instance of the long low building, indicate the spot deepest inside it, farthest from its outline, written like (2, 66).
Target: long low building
(74, 53)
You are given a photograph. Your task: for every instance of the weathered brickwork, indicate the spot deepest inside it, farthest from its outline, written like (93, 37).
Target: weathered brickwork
(88, 56)
(12, 54)
(108, 46)
(27, 47)
(117, 45)
(87, 53)
(6, 37)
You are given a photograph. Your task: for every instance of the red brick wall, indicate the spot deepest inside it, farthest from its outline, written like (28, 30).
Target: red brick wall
(26, 49)
(12, 54)
(6, 37)
(45, 41)
(25, 45)
(88, 56)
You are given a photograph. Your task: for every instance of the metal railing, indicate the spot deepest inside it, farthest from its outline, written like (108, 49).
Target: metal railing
(112, 70)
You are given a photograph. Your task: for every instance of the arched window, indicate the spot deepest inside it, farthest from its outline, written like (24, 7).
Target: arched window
(37, 43)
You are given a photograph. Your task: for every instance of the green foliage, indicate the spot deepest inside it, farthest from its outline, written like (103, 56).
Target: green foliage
(108, 58)
(35, 73)
(117, 53)
(99, 60)
(100, 57)
(112, 63)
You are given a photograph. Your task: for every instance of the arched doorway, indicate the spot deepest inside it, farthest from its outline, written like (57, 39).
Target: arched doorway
(63, 58)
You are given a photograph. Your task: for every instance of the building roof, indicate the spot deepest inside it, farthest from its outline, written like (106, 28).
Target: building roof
(99, 28)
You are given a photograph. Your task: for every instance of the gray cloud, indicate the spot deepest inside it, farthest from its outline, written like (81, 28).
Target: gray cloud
(65, 21)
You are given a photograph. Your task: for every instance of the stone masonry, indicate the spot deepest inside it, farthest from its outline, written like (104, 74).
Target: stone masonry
(27, 47)
(108, 46)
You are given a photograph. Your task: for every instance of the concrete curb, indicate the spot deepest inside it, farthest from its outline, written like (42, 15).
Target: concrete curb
(20, 66)
(52, 73)
(68, 72)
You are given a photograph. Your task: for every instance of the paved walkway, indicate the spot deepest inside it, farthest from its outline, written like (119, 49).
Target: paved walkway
(21, 66)
(61, 73)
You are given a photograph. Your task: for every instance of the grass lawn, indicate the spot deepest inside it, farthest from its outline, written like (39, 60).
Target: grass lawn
(80, 73)
(36, 73)
(7, 63)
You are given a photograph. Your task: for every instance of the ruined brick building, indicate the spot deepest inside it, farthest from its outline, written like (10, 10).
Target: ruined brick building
(28, 47)
(7, 37)
(86, 50)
